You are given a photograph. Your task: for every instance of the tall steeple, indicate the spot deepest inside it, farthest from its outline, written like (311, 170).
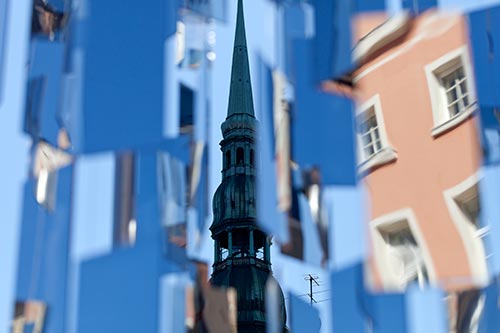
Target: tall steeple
(240, 95)
(242, 249)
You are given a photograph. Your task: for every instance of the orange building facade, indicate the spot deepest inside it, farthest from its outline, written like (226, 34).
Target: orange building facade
(419, 150)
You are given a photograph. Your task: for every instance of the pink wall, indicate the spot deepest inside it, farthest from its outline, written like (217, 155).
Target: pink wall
(425, 166)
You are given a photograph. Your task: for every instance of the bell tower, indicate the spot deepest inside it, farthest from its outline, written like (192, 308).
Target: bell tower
(242, 250)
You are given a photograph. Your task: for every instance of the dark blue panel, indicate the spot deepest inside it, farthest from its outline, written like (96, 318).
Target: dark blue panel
(3, 36)
(178, 147)
(387, 312)
(119, 50)
(322, 126)
(44, 89)
(370, 5)
(419, 6)
(347, 293)
(490, 320)
(294, 26)
(333, 44)
(172, 12)
(147, 200)
(484, 29)
(43, 254)
(33, 219)
(119, 292)
(303, 317)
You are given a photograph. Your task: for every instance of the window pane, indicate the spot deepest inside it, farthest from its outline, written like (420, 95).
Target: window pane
(240, 159)
(366, 139)
(369, 134)
(454, 110)
(452, 96)
(376, 133)
(456, 91)
(401, 237)
(466, 101)
(369, 151)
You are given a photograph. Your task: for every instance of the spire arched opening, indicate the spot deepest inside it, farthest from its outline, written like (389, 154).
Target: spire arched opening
(228, 159)
(240, 156)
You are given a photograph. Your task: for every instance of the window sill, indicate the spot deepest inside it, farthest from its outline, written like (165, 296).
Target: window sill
(386, 155)
(455, 121)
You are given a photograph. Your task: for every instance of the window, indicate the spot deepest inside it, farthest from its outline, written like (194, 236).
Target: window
(464, 206)
(465, 309)
(190, 42)
(455, 86)
(469, 205)
(369, 134)
(400, 252)
(125, 224)
(173, 192)
(451, 90)
(228, 159)
(404, 254)
(374, 149)
(240, 156)
(187, 106)
(252, 157)
(47, 20)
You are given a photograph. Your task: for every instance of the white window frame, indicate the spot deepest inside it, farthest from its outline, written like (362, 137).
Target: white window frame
(381, 225)
(471, 236)
(434, 72)
(387, 153)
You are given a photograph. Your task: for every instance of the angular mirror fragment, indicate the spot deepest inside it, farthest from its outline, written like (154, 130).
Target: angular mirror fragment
(29, 316)
(47, 161)
(220, 311)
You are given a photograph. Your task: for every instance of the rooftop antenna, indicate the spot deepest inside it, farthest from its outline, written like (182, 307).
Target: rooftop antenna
(312, 279)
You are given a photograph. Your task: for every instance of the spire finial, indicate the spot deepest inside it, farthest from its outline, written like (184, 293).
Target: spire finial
(240, 35)
(240, 95)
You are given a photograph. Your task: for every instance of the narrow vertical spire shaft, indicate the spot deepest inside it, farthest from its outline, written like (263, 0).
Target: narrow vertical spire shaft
(240, 95)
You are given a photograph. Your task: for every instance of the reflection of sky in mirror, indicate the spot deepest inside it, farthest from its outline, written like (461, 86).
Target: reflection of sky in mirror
(462, 5)
(466, 5)
(12, 175)
(15, 145)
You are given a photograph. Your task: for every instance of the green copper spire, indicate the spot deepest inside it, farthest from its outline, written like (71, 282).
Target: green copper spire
(242, 256)
(240, 95)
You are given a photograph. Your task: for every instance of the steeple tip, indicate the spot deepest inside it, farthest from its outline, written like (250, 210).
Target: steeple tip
(240, 95)
(240, 35)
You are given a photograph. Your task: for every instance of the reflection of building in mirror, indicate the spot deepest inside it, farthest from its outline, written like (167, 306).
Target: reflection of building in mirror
(195, 38)
(29, 316)
(419, 150)
(465, 309)
(47, 160)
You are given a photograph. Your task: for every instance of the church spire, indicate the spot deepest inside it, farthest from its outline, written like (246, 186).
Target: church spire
(240, 95)
(242, 249)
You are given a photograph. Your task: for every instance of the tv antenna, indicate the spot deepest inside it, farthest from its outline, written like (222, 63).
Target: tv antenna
(313, 279)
